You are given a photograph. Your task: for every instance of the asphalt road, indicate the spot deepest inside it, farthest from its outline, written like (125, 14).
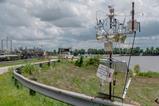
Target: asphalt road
(5, 69)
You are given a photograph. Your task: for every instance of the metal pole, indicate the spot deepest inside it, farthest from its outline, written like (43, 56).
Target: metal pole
(133, 13)
(110, 64)
(110, 84)
(134, 32)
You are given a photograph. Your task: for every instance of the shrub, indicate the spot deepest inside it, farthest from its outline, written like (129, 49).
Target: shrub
(79, 62)
(29, 68)
(136, 70)
(93, 61)
(131, 73)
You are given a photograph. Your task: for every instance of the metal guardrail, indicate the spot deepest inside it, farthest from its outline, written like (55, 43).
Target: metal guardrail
(69, 97)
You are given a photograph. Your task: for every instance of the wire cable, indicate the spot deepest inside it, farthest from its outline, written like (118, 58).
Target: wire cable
(127, 74)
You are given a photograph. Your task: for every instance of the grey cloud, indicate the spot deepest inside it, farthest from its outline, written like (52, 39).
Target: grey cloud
(52, 14)
(2, 1)
(72, 22)
(149, 29)
(62, 13)
(53, 11)
(56, 23)
(86, 34)
(11, 15)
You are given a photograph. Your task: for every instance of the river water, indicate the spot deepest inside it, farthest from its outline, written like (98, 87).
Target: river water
(147, 63)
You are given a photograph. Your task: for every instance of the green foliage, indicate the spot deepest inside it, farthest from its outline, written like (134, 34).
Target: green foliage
(131, 72)
(149, 74)
(79, 62)
(93, 61)
(29, 68)
(136, 69)
(78, 51)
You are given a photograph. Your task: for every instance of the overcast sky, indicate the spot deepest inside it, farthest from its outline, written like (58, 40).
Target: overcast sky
(70, 23)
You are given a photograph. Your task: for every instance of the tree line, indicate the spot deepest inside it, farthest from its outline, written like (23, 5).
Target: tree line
(137, 51)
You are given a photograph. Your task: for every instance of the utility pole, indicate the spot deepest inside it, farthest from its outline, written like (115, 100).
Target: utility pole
(133, 13)
(110, 83)
(111, 15)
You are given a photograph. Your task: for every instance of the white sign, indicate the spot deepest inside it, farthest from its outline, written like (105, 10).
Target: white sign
(105, 73)
(108, 46)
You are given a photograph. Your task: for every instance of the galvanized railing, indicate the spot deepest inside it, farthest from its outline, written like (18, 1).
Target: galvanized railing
(69, 97)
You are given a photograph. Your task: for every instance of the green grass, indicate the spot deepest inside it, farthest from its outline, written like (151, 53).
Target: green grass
(144, 90)
(11, 96)
(69, 80)
(17, 62)
(149, 74)
(136, 71)
(65, 75)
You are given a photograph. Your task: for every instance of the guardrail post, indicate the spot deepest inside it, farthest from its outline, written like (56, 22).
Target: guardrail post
(48, 63)
(32, 92)
(40, 65)
(16, 83)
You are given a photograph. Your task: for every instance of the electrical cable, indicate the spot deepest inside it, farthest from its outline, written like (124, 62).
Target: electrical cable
(127, 74)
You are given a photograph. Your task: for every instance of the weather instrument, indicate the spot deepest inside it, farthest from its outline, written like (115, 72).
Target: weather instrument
(112, 29)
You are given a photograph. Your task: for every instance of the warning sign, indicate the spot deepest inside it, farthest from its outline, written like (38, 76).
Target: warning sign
(105, 73)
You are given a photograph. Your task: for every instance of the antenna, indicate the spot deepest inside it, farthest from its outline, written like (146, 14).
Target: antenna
(133, 12)
(110, 30)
